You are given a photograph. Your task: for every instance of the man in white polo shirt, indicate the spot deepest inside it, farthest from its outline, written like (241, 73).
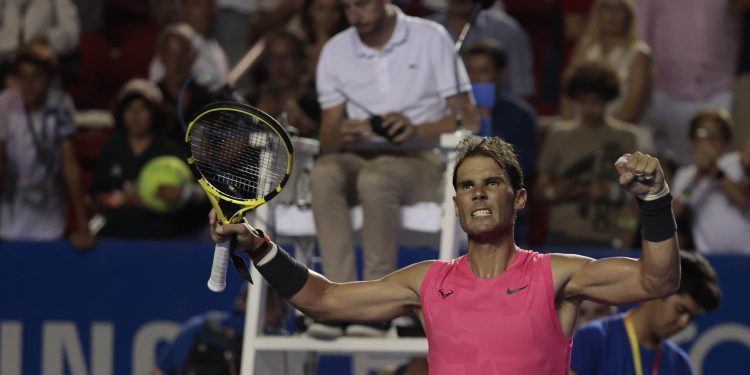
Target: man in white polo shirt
(401, 69)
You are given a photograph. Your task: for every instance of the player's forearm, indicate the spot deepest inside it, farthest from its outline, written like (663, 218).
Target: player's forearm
(660, 256)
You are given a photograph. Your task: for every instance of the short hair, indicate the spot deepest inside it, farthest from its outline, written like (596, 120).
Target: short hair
(298, 45)
(496, 148)
(718, 115)
(177, 29)
(699, 281)
(594, 77)
(39, 55)
(490, 48)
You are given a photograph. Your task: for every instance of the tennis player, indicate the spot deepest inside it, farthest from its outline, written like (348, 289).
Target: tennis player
(499, 309)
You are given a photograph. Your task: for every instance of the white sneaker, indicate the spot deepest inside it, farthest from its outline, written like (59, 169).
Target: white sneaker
(325, 331)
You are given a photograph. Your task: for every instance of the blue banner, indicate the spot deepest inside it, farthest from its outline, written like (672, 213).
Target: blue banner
(108, 311)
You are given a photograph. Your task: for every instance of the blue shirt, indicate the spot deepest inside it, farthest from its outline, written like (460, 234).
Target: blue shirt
(602, 347)
(172, 358)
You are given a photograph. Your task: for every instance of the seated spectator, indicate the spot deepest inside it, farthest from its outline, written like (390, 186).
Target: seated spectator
(38, 166)
(321, 20)
(176, 52)
(211, 343)
(21, 22)
(498, 26)
(136, 141)
(714, 191)
(607, 346)
(511, 117)
(210, 68)
(288, 94)
(695, 50)
(575, 172)
(612, 37)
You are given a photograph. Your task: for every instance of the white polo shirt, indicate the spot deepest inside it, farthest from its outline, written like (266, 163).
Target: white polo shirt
(412, 74)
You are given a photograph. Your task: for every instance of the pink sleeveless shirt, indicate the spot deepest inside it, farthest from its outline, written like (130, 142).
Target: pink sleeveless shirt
(502, 325)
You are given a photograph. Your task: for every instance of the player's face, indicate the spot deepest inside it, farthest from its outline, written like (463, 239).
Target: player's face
(485, 201)
(367, 16)
(676, 312)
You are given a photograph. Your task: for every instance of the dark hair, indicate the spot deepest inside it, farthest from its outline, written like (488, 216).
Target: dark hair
(28, 56)
(699, 281)
(496, 148)
(490, 48)
(158, 114)
(298, 46)
(718, 115)
(307, 25)
(596, 77)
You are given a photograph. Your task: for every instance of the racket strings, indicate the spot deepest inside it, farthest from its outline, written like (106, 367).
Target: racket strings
(238, 154)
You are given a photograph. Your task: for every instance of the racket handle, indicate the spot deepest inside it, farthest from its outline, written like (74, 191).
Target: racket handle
(218, 280)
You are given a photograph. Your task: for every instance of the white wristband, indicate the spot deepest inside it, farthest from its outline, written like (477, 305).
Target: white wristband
(268, 256)
(652, 197)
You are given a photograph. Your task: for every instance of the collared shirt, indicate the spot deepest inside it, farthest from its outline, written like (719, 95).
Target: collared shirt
(506, 30)
(695, 45)
(413, 74)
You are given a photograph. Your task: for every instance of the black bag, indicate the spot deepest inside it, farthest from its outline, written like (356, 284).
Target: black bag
(217, 350)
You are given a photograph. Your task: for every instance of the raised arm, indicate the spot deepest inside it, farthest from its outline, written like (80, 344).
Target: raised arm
(625, 280)
(389, 297)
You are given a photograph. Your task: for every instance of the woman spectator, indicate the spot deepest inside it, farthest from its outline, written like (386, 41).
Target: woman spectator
(612, 36)
(321, 20)
(137, 140)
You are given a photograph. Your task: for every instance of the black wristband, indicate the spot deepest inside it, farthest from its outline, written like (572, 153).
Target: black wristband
(284, 273)
(657, 219)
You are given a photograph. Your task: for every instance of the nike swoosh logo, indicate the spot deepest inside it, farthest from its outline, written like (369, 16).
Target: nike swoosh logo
(514, 291)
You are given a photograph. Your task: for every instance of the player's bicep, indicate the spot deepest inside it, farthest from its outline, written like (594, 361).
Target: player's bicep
(614, 281)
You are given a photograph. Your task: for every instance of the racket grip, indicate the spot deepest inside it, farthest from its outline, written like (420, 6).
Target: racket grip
(218, 280)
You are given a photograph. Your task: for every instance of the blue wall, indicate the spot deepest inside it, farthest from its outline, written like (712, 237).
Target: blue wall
(108, 311)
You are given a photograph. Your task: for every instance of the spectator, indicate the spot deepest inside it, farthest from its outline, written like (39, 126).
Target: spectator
(590, 310)
(586, 207)
(511, 117)
(211, 343)
(502, 28)
(137, 140)
(288, 95)
(366, 64)
(714, 192)
(695, 48)
(21, 22)
(607, 346)
(612, 36)
(178, 55)
(210, 68)
(39, 165)
(321, 20)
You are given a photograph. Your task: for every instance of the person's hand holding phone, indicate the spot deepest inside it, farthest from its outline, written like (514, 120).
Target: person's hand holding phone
(398, 127)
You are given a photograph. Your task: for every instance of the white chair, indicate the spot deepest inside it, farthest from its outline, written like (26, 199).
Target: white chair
(289, 219)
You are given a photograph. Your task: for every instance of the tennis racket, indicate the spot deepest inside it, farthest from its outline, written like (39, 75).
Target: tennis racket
(242, 158)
